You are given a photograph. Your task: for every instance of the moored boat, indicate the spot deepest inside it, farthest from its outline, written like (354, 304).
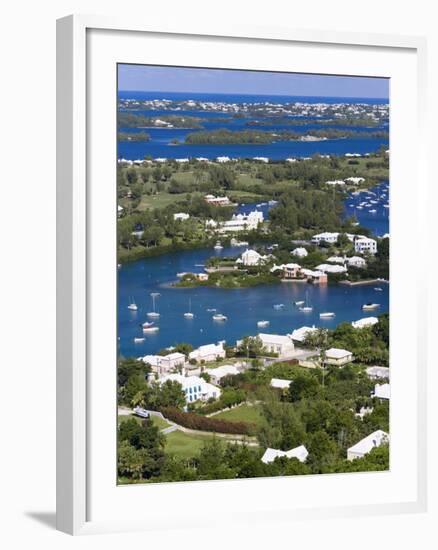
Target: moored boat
(369, 306)
(262, 323)
(219, 317)
(327, 315)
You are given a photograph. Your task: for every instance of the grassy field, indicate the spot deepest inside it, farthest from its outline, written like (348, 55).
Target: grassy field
(161, 200)
(159, 422)
(185, 445)
(244, 413)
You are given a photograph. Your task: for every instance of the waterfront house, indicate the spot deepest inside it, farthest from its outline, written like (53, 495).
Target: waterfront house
(377, 372)
(194, 387)
(356, 261)
(338, 357)
(299, 334)
(330, 268)
(300, 453)
(218, 373)
(365, 244)
(315, 277)
(367, 444)
(252, 258)
(276, 343)
(208, 352)
(365, 322)
(242, 222)
(289, 271)
(300, 252)
(336, 260)
(382, 391)
(181, 216)
(280, 383)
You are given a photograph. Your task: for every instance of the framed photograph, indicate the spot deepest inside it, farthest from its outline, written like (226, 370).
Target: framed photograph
(239, 329)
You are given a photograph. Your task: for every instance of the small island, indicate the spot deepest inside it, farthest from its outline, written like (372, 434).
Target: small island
(133, 136)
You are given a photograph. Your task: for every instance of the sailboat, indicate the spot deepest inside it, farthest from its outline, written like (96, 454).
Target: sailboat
(306, 308)
(153, 313)
(133, 306)
(189, 314)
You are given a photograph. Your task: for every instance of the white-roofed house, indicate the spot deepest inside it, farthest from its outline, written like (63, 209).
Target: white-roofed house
(338, 357)
(181, 216)
(194, 387)
(377, 372)
(162, 364)
(382, 391)
(336, 260)
(354, 180)
(218, 373)
(208, 352)
(365, 244)
(276, 343)
(365, 322)
(300, 252)
(325, 237)
(300, 453)
(364, 446)
(299, 334)
(329, 268)
(252, 257)
(289, 271)
(280, 383)
(357, 261)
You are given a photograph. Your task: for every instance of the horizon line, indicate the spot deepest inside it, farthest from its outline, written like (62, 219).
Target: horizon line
(255, 95)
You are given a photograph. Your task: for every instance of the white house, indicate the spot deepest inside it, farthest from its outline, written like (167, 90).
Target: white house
(181, 216)
(252, 257)
(364, 446)
(280, 383)
(162, 364)
(356, 261)
(300, 251)
(209, 352)
(325, 237)
(217, 201)
(377, 372)
(365, 322)
(338, 357)
(336, 260)
(330, 268)
(242, 222)
(365, 244)
(382, 391)
(218, 373)
(301, 453)
(194, 387)
(299, 334)
(276, 343)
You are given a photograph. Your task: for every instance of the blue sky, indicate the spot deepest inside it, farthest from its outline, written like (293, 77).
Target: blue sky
(178, 79)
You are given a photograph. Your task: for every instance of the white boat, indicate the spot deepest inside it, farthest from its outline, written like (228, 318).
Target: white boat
(151, 328)
(386, 206)
(378, 289)
(147, 324)
(218, 246)
(278, 306)
(211, 309)
(138, 340)
(133, 307)
(372, 211)
(369, 306)
(153, 313)
(262, 323)
(189, 314)
(299, 302)
(306, 308)
(327, 315)
(219, 317)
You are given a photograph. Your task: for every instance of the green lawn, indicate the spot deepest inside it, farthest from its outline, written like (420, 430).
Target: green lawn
(161, 200)
(159, 422)
(183, 444)
(244, 413)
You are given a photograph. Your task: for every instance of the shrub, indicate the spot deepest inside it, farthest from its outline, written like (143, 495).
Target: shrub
(195, 421)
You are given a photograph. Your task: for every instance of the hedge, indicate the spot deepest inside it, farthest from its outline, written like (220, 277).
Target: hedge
(195, 421)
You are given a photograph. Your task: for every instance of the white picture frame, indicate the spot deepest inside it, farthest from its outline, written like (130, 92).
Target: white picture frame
(76, 214)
